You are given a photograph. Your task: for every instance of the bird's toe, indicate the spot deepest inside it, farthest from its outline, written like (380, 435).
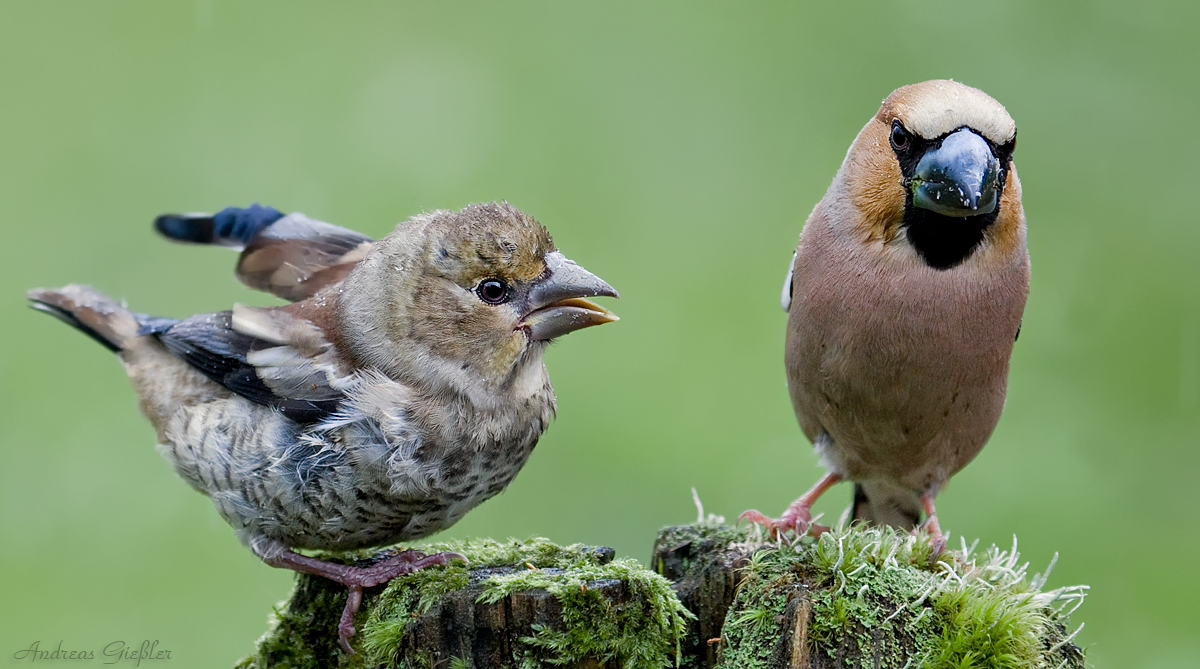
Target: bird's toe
(346, 630)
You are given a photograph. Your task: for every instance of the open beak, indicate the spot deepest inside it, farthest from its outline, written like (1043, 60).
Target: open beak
(959, 178)
(556, 304)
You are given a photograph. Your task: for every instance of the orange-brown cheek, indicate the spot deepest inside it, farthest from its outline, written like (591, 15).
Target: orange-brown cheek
(875, 183)
(1006, 233)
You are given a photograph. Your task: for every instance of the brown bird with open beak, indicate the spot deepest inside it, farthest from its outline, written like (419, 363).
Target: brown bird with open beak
(904, 300)
(403, 387)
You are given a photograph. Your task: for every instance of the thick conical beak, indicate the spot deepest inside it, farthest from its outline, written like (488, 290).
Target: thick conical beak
(556, 304)
(959, 178)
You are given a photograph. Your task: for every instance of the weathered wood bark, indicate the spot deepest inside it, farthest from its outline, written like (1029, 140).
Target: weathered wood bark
(704, 572)
(489, 634)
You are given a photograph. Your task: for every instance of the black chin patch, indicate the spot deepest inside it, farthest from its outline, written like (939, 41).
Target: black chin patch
(945, 241)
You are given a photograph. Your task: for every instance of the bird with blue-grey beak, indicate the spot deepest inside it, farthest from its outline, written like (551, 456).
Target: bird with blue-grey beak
(904, 299)
(402, 387)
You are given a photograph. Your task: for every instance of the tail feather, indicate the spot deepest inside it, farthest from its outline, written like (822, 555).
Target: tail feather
(861, 506)
(89, 311)
(882, 504)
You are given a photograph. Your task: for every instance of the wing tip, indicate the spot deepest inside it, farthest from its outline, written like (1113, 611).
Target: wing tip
(192, 228)
(232, 226)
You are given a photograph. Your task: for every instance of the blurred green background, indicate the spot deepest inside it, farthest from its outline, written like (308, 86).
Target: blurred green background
(675, 150)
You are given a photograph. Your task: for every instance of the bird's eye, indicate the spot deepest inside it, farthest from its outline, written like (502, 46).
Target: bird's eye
(899, 136)
(492, 291)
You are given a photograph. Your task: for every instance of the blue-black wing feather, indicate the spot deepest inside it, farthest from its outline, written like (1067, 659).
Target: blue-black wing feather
(209, 344)
(291, 256)
(232, 226)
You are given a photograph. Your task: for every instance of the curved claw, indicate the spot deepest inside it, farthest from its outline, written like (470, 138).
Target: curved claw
(756, 517)
(939, 546)
(797, 518)
(800, 524)
(451, 555)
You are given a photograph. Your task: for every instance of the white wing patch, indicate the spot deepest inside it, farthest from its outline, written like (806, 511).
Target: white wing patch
(785, 296)
(303, 366)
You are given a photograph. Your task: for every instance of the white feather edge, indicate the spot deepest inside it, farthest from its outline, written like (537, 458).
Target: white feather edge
(785, 295)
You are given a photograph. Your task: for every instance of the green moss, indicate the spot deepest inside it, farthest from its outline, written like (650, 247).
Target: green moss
(641, 630)
(996, 617)
(872, 588)
(871, 597)
(644, 632)
(705, 536)
(303, 630)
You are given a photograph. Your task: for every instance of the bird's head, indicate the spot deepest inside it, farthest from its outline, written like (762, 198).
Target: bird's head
(933, 170)
(467, 301)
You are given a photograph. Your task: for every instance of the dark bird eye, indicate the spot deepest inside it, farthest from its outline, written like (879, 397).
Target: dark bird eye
(492, 291)
(899, 136)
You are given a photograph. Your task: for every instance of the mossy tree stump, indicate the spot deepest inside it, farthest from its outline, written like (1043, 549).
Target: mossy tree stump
(858, 597)
(515, 604)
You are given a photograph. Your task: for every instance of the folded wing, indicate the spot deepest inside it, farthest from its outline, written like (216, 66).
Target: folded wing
(264, 355)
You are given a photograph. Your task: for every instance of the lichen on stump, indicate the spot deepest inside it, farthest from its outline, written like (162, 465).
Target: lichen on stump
(513, 604)
(861, 597)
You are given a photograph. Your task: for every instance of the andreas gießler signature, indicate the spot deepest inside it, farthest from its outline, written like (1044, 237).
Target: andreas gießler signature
(111, 653)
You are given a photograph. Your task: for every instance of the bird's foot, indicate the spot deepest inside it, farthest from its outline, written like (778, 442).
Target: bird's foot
(798, 516)
(346, 629)
(404, 562)
(937, 542)
(357, 578)
(936, 537)
(798, 522)
(757, 517)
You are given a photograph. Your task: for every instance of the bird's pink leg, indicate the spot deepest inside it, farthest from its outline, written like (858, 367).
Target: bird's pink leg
(357, 578)
(798, 516)
(932, 526)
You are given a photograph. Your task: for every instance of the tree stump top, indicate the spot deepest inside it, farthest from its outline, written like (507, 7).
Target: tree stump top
(716, 597)
(862, 597)
(513, 604)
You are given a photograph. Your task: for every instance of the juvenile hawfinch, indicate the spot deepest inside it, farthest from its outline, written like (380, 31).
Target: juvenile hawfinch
(402, 387)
